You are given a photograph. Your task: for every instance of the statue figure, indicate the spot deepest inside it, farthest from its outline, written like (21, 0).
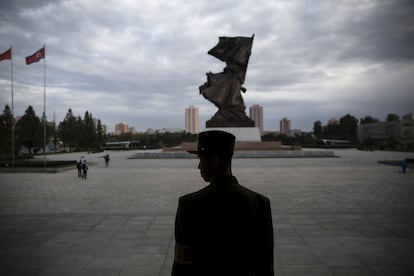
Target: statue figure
(223, 89)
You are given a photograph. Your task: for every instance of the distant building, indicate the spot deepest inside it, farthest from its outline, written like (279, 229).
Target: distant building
(383, 133)
(293, 132)
(285, 126)
(333, 121)
(132, 130)
(271, 132)
(409, 116)
(150, 131)
(121, 128)
(192, 119)
(256, 114)
(170, 130)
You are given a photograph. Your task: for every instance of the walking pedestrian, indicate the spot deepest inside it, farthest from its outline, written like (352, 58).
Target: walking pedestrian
(84, 169)
(79, 167)
(106, 157)
(404, 164)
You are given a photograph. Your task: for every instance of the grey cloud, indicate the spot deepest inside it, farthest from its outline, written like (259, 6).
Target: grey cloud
(384, 32)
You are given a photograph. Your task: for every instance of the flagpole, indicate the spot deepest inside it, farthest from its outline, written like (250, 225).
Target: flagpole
(44, 108)
(12, 96)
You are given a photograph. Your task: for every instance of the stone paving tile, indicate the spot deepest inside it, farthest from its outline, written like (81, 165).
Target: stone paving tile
(378, 256)
(88, 271)
(21, 271)
(352, 272)
(293, 248)
(299, 259)
(151, 249)
(302, 271)
(62, 270)
(337, 259)
(107, 262)
(73, 259)
(393, 270)
(143, 264)
(115, 251)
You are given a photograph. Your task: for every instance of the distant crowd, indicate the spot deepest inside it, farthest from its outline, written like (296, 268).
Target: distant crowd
(83, 168)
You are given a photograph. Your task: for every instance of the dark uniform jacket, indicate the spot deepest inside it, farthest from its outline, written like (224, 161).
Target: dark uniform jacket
(223, 229)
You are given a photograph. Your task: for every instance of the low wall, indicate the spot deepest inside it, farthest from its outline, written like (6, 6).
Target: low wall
(239, 146)
(238, 154)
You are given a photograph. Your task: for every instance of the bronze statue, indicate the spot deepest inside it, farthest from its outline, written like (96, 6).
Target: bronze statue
(223, 89)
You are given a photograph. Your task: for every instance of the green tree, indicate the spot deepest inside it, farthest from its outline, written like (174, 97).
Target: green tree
(89, 130)
(29, 130)
(317, 129)
(332, 131)
(100, 134)
(392, 117)
(68, 131)
(349, 128)
(50, 129)
(80, 135)
(169, 139)
(6, 120)
(368, 120)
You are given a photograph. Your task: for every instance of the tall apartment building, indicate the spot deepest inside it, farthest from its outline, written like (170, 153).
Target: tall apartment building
(285, 126)
(192, 119)
(256, 114)
(121, 128)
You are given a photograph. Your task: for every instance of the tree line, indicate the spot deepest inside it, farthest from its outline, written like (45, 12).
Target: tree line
(347, 127)
(77, 133)
(74, 132)
(154, 140)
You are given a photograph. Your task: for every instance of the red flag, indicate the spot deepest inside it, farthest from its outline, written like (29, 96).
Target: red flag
(6, 55)
(36, 56)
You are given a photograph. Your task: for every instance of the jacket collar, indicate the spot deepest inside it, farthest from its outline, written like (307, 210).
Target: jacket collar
(229, 180)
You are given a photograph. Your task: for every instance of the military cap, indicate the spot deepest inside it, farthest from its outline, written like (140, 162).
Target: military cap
(215, 142)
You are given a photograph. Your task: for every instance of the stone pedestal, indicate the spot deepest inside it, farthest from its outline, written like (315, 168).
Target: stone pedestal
(243, 134)
(247, 139)
(218, 123)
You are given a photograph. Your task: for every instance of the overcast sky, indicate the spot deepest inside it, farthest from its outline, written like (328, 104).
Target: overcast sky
(141, 62)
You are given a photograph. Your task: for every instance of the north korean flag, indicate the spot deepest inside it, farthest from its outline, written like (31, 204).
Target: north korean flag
(36, 56)
(6, 55)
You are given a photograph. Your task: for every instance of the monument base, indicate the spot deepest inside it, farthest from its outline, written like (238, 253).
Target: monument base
(213, 123)
(247, 139)
(240, 146)
(243, 134)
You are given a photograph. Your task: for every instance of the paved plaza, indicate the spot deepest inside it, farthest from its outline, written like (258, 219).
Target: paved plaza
(332, 216)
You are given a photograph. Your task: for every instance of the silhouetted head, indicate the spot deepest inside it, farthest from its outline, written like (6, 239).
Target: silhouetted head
(215, 149)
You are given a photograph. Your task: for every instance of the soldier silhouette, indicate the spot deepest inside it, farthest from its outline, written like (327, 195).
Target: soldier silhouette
(224, 228)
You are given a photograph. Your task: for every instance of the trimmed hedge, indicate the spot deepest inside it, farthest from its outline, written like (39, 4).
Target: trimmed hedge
(38, 163)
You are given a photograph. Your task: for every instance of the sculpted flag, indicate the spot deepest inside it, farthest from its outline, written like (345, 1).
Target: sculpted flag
(235, 51)
(36, 56)
(5, 55)
(223, 89)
